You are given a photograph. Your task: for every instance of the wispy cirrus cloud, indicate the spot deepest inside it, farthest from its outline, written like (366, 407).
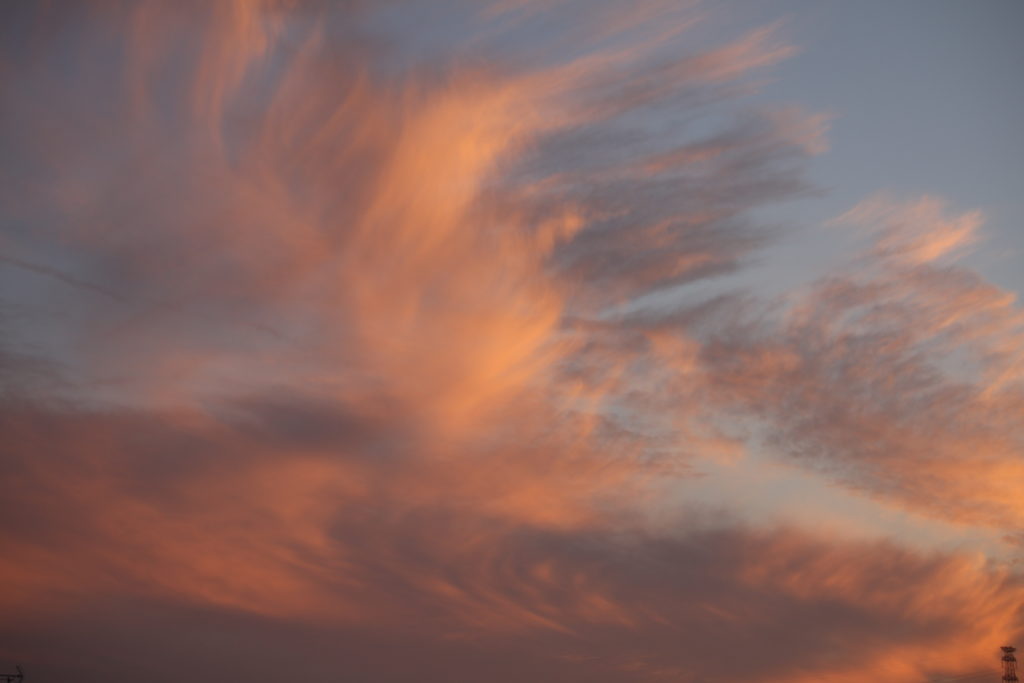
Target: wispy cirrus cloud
(382, 352)
(390, 548)
(899, 376)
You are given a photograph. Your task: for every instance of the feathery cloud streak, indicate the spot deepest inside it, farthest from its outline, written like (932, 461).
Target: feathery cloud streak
(352, 338)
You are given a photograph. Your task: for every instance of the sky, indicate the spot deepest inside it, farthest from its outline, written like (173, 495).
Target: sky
(512, 340)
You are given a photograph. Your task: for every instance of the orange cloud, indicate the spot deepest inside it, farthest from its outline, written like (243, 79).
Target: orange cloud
(914, 232)
(337, 537)
(344, 343)
(899, 377)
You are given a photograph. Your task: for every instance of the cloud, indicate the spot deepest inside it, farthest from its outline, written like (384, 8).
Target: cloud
(153, 522)
(378, 382)
(914, 232)
(899, 376)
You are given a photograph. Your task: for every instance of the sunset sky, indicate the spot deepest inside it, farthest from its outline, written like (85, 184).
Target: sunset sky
(517, 341)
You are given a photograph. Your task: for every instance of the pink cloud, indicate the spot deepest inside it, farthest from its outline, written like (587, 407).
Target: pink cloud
(339, 374)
